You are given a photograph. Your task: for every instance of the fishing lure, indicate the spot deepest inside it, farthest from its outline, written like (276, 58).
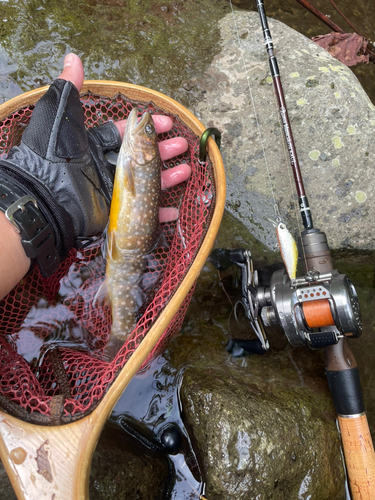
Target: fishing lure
(288, 249)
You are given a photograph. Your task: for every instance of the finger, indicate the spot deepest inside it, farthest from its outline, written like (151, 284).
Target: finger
(162, 124)
(168, 214)
(175, 175)
(73, 70)
(172, 147)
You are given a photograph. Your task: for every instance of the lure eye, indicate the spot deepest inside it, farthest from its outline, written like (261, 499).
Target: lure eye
(150, 129)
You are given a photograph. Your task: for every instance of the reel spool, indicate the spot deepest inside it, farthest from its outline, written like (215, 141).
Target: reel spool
(315, 310)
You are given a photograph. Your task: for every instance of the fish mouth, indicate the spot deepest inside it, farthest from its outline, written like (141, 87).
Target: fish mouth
(136, 126)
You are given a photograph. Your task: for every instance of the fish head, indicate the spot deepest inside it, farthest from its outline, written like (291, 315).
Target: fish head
(140, 138)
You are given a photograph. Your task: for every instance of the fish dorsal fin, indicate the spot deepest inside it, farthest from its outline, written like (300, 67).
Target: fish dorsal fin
(129, 175)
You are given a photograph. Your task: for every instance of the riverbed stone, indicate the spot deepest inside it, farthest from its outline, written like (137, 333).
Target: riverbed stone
(262, 426)
(259, 439)
(333, 123)
(123, 468)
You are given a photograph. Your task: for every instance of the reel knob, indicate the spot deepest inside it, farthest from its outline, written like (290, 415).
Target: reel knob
(268, 316)
(171, 439)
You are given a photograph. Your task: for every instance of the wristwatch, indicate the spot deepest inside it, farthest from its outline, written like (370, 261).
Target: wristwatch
(37, 237)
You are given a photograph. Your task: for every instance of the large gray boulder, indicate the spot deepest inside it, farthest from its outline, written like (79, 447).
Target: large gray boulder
(333, 123)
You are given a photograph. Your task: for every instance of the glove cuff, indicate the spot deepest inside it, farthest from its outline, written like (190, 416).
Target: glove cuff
(55, 218)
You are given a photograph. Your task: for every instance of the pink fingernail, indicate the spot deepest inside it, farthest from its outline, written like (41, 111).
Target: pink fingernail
(68, 61)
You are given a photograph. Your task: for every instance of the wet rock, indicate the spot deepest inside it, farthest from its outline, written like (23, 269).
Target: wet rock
(263, 427)
(6, 487)
(263, 430)
(122, 468)
(333, 123)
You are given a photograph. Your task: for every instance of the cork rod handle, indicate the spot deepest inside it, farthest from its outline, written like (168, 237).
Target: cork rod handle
(345, 386)
(359, 456)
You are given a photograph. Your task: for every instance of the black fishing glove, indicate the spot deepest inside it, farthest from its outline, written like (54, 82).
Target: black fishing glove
(56, 186)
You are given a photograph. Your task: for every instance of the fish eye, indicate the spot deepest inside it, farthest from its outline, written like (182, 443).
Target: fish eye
(150, 129)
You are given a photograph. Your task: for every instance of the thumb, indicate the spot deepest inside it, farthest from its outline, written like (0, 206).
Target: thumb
(73, 70)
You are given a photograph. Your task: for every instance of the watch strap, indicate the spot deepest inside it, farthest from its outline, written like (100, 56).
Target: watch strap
(37, 237)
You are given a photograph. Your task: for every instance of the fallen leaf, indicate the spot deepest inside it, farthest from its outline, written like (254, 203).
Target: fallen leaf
(349, 48)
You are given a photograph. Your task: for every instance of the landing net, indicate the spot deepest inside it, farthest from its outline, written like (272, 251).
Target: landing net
(52, 337)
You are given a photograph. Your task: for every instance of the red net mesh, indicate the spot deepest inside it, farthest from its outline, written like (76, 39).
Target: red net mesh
(51, 335)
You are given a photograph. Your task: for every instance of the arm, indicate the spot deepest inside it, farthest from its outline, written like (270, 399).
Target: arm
(14, 263)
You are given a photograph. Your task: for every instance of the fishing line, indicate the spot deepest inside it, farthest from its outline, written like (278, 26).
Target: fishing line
(291, 183)
(275, 205)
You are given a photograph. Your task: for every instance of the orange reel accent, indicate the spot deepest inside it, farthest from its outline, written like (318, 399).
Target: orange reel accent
(317, 313)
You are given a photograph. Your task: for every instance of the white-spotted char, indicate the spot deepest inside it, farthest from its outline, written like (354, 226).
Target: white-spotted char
(288, 249)
(133, 229)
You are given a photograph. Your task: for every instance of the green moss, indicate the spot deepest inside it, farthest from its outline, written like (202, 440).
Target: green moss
(157, 44)
(266, 81)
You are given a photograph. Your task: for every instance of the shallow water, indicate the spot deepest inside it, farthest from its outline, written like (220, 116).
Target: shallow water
(160, 45)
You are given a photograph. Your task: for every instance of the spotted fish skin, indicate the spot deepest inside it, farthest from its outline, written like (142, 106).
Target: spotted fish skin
(133, 229)
(288, 249)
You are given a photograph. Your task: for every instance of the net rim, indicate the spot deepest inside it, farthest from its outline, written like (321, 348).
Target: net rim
(143, 94)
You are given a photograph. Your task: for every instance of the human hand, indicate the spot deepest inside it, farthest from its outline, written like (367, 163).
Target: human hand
(63, 168)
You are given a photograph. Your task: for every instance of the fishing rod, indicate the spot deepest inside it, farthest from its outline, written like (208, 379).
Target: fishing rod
(319, 309)
(302, 198)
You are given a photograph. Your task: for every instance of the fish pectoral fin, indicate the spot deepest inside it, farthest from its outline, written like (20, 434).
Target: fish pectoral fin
(109, 245)
(102, 295)
(129, 175)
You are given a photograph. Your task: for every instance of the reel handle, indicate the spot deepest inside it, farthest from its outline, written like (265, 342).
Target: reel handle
(239, 348)
(223, 259)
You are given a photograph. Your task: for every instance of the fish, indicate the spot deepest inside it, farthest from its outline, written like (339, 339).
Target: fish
(133, 229)
(288, 249)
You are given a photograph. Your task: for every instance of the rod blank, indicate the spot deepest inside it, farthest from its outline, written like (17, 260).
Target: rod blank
(302, 198)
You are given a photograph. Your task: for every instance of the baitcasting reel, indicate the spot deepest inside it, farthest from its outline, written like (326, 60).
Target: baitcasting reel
(314, 310)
